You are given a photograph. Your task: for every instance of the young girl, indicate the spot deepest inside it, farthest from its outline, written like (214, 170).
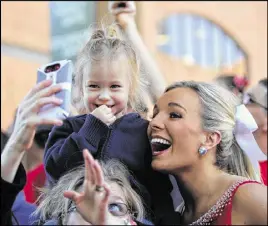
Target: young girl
(109, 82)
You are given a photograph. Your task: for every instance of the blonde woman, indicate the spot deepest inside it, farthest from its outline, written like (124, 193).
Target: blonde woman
(200, 134)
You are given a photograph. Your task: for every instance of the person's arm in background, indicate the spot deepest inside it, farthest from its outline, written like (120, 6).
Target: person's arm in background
(125, 17)
(13, 176)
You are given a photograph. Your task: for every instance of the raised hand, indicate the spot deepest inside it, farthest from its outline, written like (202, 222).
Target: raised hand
(116, 7)
(27, 117)
(124, 15)
(104, 114)
(92, 201)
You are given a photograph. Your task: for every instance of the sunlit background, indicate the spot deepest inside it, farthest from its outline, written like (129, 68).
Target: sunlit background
(189, 40)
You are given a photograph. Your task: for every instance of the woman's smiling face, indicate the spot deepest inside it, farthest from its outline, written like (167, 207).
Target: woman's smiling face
(175, 131)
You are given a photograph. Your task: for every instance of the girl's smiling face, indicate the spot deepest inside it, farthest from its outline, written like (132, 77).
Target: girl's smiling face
(107, 84)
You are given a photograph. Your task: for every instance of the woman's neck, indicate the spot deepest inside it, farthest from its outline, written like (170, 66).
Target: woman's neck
(200, 189)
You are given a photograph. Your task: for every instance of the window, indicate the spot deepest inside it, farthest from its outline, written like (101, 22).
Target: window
(199, 41)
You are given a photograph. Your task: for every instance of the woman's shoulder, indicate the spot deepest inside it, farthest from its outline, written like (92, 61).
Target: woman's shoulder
(234, 204)
(242, 185)
(250, 201)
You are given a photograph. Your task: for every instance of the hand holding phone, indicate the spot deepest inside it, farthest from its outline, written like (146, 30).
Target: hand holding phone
(60, 72)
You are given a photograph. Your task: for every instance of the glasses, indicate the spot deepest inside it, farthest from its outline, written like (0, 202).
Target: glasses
(249, 99)
(116, 209)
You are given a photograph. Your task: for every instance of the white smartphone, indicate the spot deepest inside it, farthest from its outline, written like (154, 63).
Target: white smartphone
(59, 72)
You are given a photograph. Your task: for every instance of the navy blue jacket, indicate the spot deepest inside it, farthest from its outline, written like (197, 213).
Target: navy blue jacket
(126, 139)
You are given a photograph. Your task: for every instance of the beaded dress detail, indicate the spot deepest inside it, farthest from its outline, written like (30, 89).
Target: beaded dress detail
(222, 206)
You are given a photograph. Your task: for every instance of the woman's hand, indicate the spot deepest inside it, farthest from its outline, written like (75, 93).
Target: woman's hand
(123, 15)
(92, 201)
(27, 118)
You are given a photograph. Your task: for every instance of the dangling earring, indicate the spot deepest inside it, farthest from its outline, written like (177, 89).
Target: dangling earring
(202, 150)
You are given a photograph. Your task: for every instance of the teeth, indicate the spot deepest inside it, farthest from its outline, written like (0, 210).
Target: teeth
(159, 140)
(109, 106)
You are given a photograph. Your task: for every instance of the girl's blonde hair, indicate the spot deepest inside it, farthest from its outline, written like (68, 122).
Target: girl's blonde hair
(107, 43)
(218, 114)
(53, 205)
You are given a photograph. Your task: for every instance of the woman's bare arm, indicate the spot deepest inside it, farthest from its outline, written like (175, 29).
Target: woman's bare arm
(27, 119)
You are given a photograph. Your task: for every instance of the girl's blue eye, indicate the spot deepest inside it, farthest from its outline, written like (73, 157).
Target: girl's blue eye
(118, 209)
(114, 207)
(174, 115)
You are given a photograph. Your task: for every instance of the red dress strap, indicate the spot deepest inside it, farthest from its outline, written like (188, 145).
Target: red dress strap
(225, 218)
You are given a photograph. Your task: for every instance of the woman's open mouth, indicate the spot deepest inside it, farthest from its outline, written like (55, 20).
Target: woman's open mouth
(159, 146)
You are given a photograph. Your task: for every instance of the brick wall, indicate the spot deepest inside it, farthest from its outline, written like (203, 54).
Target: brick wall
(26, 24)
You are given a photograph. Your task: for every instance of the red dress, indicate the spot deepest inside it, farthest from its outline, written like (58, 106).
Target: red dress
(263, 167)
(221, 212)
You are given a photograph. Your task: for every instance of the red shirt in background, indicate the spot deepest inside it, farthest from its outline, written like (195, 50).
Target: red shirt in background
(36, 178)
(263, 167)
